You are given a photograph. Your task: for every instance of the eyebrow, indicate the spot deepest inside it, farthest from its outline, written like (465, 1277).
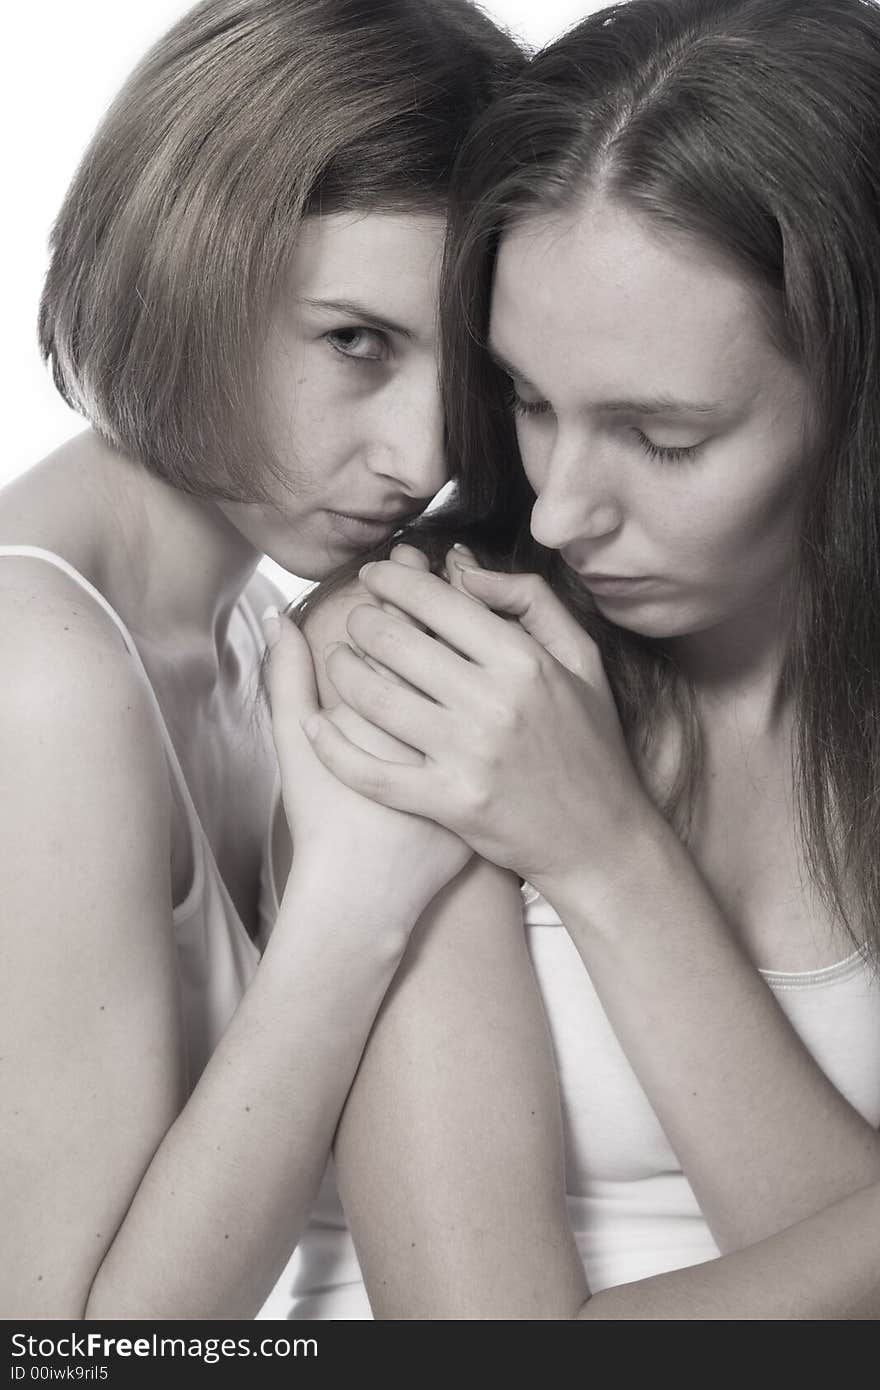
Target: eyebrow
(659, 404)
(352, 309)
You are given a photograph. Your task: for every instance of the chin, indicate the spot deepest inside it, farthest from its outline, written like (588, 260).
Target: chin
(310, 562)
(302, 567)
(655, 621)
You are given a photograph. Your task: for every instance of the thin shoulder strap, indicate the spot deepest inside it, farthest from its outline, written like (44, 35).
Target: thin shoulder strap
(254, 626)
(33, 552)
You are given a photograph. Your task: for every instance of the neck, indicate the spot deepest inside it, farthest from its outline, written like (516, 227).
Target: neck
(741, 663)
(186, 568)
(173, 565)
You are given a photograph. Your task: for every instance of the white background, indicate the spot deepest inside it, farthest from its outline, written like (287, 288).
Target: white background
(64, 60)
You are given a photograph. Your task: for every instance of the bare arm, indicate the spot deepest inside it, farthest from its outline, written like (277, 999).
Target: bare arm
(453, 1193)
(823, 1268)
(122, 1197)
(449, 1153)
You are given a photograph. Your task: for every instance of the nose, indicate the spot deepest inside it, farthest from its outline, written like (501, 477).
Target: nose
(407, 443)
(577, 500)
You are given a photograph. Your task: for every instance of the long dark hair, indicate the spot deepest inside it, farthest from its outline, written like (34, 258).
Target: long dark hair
(755, 126)
(247, 116)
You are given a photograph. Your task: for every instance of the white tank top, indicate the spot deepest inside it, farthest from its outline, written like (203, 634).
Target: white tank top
(216, 957)
(631, 1207)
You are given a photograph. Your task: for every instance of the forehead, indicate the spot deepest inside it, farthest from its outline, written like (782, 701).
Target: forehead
(601, 295)
(389, 261)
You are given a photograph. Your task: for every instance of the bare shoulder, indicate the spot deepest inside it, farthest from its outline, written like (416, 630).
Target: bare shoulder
(39, 602)
(326, 624)
(69, 685)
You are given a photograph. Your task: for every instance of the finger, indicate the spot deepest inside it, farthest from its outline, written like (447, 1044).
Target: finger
(468, 627)
(530, 599)
(458, 556)
(413, 559)
(290, 672)
(413, 655)
(370, 660)
(372, 740)
(397, 710)
(405, 788)
(411, 556)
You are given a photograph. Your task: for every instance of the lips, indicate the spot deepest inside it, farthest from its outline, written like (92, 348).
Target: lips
(615, 585)
(376, 518)
(365, 529)
(593, 578)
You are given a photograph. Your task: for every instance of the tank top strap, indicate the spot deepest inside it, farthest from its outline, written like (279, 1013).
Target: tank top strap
(254, 625)
(32, 552)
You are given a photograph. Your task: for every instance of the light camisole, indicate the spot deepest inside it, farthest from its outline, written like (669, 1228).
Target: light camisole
(632, 1209)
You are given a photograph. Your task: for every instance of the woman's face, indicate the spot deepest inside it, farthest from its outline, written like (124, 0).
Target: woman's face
(661, 429)
(351, 389)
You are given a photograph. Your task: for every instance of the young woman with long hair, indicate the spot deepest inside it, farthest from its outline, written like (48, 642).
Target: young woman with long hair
(652, 692)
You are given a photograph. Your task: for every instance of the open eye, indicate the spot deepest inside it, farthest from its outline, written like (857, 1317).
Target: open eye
(362, 344)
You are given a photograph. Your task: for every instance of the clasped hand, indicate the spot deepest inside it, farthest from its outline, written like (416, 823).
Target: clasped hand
(520, 748)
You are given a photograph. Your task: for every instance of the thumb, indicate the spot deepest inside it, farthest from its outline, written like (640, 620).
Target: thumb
(530, 599)
(290, 672)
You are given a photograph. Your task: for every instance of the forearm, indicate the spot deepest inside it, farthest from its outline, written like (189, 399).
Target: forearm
(825, 1267)
(763, 1136)
(449, 1154)
(225, 1197)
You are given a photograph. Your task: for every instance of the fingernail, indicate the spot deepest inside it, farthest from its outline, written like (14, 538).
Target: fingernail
(271, 625)
(331, 647)
(365, 569)
(480, 574)
(311, 726)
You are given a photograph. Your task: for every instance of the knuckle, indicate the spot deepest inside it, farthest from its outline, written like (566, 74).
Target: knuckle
(528, 667)
(474, 798)
(504, 716)
(374, 784)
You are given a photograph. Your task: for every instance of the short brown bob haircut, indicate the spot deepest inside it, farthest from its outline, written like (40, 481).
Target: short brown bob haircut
(247, 116)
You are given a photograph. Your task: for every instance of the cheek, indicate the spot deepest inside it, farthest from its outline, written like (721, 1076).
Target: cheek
(315, 436)
(534, 450)
(745, 518)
